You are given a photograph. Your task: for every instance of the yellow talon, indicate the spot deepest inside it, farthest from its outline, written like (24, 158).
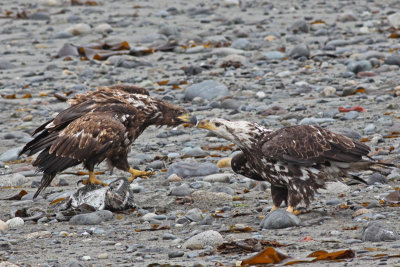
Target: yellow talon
(93, 180)
(137, 173)
(274, 208)
(292, 210)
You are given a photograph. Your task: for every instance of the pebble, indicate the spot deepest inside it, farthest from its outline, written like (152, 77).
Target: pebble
(218, 178)
(15, 223)
(377, 178)
(194, 215)
(3, 226)
(359, 66)
(105, 215)
(181, 191)
(195, 152)
(298, 51)
(299, 26)
(378, 232)
(189, 169)
(15, 179)
(200, 241)
(11, 154)
(208, 198)
(85, 219)
(102, 256)
(175, 254)
(39, 16)
(335, 188)
(359, 212)
(279, 219)
(393, 59)
(79, 29)
(274, 55)
(208, 89)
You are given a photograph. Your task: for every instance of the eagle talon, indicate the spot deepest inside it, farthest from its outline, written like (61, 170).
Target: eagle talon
(142, 174)
(92, 180)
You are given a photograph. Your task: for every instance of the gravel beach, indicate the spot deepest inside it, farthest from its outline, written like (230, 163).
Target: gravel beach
(278, 63)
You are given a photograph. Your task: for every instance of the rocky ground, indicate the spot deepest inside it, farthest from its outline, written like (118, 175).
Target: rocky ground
(279, 63)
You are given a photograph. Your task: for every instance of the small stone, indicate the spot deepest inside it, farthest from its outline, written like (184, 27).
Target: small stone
(148, 217)
(79, 29)
(301, 50)
(15, 179)
(156, 165)
(208, 197)
(3, 226)
(5, 65)
(299, 26)
(218, 178)
(241, 43)
(175, 254)
(169, 236)
(351, 115)
(189, 169)
(196, 152)
(103, 28)
(230, 104)
(174, 178)
(86, 258)
(379, 231)
(102, 256)
(15, 223)
(369, 129)
(208, 89)
(11, 154)
(333, 202)
(358, 66)
(377, 178)
(181, 191)
(223, 189)
(394, 19)
(105, 215)
(208, 238)
(39, 16)
(279, 219)
(274, 55)
(393, 59)
(359, 212)
(85, 219)
(335, 188)
(224, 163)
(195, 215)
(328, 91)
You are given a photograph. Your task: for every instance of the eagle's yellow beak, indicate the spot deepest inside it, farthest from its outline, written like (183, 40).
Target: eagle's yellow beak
(206, 124)
(184, 117)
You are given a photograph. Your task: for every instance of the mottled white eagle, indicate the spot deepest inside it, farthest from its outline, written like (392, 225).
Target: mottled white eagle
(100, 125)
(296, 160)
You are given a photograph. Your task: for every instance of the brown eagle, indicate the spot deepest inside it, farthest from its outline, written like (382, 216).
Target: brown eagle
(99, 125)
(296, 160)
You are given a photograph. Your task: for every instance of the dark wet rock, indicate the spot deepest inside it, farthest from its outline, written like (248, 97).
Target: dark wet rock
(378, 232)
(175, 254)
(279, 219)
(190, 169)
(377, 178)
(299, 26)
(86, 219)
(39, 16)
(358, 66)
(207, 89)
(298, 51)
(393, 60)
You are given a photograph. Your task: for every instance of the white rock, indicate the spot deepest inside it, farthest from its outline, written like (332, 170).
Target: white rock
(328, 91)
(3, 226)
(394, 19)
(219, 177)
(37, 234)
(86, 258)
(78, 29)
(208, 238)
(147, 217)
(260, 95)
(102, 256)
(16, 222)
(103, 28)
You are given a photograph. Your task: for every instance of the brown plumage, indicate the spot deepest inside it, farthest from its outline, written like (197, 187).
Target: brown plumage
(99, 125)
(296, 160)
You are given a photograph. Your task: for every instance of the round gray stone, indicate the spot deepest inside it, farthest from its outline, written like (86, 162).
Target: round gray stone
(279, 219)
(379, 231)
(208, 89)
(86, 219)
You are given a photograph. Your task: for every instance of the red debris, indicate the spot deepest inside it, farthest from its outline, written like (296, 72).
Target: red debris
(358, 108)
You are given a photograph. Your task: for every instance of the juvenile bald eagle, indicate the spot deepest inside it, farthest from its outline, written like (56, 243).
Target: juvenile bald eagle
(296, 160)
(99, 125)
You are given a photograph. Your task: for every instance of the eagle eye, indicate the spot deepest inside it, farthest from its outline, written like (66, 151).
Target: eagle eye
(217, 124)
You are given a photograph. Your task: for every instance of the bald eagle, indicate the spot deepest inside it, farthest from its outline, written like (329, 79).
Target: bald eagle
(100, 125)
(296, 160)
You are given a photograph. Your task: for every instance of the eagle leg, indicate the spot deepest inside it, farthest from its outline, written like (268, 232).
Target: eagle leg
(292, 210)
(274, 208)
(137, 173)
(93, 180)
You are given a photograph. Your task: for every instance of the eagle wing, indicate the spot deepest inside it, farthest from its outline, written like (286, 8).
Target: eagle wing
(88, 137)
(308, 145)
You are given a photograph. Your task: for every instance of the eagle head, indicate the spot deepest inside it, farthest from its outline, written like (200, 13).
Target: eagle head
(242, 133)
(172, 115)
